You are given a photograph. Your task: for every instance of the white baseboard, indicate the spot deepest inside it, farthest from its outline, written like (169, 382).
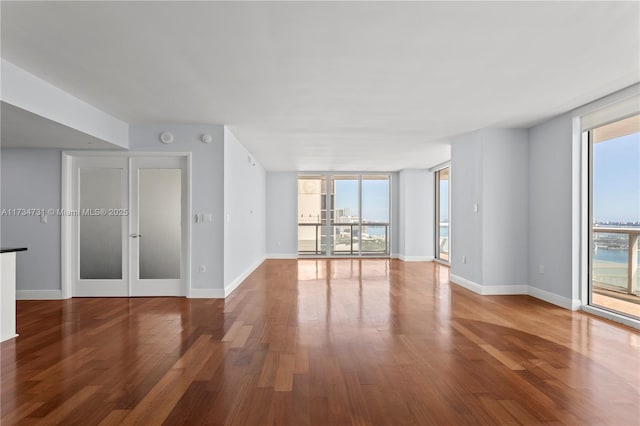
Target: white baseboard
(281, 256)
(576, 304)
(228, 289)
(219, 293)
(468, 284)
(207, 293)
(38, 294)
(495, 290)
(415, 258)
(554, 299)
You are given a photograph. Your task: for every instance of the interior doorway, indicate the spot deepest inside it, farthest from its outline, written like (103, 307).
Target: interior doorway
(126, 225)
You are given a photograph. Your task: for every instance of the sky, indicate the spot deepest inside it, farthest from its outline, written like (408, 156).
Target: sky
(444, 201)
(375, 198)
(616, 179)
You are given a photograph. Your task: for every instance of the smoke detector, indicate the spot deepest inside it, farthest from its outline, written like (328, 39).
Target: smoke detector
(166, 137)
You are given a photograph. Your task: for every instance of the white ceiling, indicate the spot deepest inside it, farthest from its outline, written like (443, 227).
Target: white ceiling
(331, 86)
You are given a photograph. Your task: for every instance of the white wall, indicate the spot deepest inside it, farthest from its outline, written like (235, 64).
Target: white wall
(416, 215)
(31, 180)
(207, 188)
(505, 207)
(245, 212)
(282, 215)
(490, 170)
(522, 183)
(466, 191)
(550, 217)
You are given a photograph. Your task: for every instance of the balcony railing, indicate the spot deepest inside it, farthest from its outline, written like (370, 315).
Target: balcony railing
(344, 239)
(346, 242)
(309, 238)
(611, 274)
(443, 242)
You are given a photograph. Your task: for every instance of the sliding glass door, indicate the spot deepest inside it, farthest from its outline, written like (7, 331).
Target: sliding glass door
(358, 218)
(615, 216)
(442, 214)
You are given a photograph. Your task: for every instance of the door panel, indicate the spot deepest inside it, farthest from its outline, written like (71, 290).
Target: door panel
(160, 219)
(157, 226)
(100, 235)
(99, 227)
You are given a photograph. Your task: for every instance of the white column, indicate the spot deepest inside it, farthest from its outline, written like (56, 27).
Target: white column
(8, 296)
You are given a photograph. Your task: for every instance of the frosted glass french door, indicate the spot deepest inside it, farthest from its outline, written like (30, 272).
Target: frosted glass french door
(100, 225)
(129, 216)
(157, 226)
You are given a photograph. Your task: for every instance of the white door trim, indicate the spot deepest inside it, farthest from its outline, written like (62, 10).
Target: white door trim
(66, 202)
(65, 226)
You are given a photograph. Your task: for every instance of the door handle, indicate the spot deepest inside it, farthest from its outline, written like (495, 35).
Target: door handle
(135, 235)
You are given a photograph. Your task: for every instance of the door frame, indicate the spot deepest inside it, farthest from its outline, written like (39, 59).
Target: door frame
(580, 202)
(66, 203)
(436, 212)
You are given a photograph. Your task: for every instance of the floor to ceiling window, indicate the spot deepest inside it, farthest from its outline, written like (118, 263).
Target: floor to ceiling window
(615, 216)
(442, 214)
(375, 214)
(358, 222)
(345, 214)
(312, 214)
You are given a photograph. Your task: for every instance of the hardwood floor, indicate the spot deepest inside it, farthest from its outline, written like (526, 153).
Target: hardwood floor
(320, 342)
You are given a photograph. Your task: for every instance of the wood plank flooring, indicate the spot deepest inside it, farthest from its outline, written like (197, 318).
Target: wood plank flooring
(320, 342)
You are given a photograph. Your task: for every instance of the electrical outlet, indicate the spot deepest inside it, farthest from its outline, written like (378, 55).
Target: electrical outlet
(464, 259)
(541, 269)
(203, 268)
